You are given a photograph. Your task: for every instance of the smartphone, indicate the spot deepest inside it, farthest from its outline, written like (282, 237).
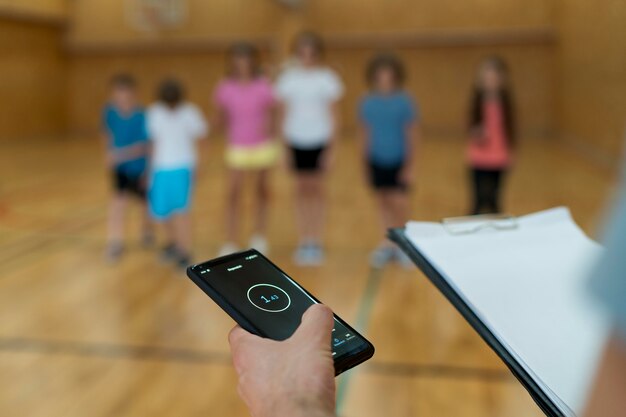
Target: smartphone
(267, 302)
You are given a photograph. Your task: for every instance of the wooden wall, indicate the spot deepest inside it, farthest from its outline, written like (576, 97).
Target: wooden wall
(32, 68)
(591, 58)
(35, 9)
(441, 49)
(408, 15)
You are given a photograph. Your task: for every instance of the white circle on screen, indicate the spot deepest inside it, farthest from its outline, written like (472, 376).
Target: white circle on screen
(268, 297)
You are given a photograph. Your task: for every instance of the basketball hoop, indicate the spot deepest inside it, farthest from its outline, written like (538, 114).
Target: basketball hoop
(156, 15)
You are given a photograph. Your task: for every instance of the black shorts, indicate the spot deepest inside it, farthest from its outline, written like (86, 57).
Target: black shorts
(386, 178)
(307, 160)
(133, 184)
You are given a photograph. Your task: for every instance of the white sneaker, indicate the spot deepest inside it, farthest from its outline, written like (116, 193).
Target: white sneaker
(309, 254)
(381, 256)
(228, 248)
(300, 255)
(403, 259)
(113, 253)
(316, 254)
(259, 242)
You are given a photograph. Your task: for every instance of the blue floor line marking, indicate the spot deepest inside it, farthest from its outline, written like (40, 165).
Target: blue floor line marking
(361, 323)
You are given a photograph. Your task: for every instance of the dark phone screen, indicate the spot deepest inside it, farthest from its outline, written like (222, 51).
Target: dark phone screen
(269, 299)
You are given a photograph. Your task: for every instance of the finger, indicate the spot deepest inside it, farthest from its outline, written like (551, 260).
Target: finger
(316, 327)
(237, 339)
(235, 336)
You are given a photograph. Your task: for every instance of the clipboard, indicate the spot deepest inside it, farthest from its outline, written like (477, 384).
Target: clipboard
(543, 401)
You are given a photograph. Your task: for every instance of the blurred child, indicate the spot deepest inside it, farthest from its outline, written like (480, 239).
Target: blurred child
(174, 126)
(126, 142)
(389, 131)
(491, 133)
(308, 93)
(245, 104)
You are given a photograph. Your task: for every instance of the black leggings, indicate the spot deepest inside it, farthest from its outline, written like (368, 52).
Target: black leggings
(487, 187)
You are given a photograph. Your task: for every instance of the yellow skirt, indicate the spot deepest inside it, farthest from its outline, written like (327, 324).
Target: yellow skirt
(261, 156)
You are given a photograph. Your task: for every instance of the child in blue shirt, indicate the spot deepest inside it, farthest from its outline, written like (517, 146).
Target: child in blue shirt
(389, 119)
(126, 140)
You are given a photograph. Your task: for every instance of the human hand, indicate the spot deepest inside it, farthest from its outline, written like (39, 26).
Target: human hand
(294, 377)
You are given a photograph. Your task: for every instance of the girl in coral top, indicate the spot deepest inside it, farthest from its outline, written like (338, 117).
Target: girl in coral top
(491, 138)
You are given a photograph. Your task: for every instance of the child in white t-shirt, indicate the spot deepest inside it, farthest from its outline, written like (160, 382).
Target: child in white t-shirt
(174, 127)
(308, 93)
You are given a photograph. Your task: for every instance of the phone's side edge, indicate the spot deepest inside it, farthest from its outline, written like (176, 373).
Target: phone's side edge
(344, 365)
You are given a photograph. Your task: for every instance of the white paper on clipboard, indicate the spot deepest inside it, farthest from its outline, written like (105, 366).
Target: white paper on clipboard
(528, 285)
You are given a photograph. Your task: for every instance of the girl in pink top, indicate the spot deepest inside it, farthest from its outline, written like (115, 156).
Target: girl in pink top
(491, 134)
(245, 105)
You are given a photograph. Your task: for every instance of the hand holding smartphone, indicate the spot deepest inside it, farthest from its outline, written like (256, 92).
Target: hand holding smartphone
(265, 301)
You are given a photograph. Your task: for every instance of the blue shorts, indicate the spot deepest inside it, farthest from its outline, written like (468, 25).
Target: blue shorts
(170, 192)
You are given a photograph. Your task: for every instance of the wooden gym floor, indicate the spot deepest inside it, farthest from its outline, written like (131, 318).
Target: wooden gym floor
(82, 338)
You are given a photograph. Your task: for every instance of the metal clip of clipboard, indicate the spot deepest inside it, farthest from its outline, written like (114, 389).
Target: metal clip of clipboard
(472, 224)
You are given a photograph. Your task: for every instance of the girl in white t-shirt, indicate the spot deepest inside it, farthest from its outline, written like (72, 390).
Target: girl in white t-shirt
(174, 126)
(307, 92)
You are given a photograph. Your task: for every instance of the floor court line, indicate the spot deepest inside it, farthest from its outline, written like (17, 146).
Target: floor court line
(361, 322)
(112, 350)
(185, 355)
(29, 243)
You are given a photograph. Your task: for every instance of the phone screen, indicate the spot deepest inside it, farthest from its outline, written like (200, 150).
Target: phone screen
(269, 299)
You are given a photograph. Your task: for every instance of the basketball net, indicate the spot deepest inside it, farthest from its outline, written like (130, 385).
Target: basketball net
(155, 15)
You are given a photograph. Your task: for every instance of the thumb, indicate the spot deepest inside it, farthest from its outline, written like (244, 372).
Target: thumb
(316, 327)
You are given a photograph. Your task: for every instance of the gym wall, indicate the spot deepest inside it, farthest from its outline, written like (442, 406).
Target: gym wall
(32, 69)
(41, 10)
(591, 65)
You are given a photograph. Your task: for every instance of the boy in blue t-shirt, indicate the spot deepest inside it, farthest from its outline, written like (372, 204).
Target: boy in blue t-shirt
(389, 131)
(126, 140)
